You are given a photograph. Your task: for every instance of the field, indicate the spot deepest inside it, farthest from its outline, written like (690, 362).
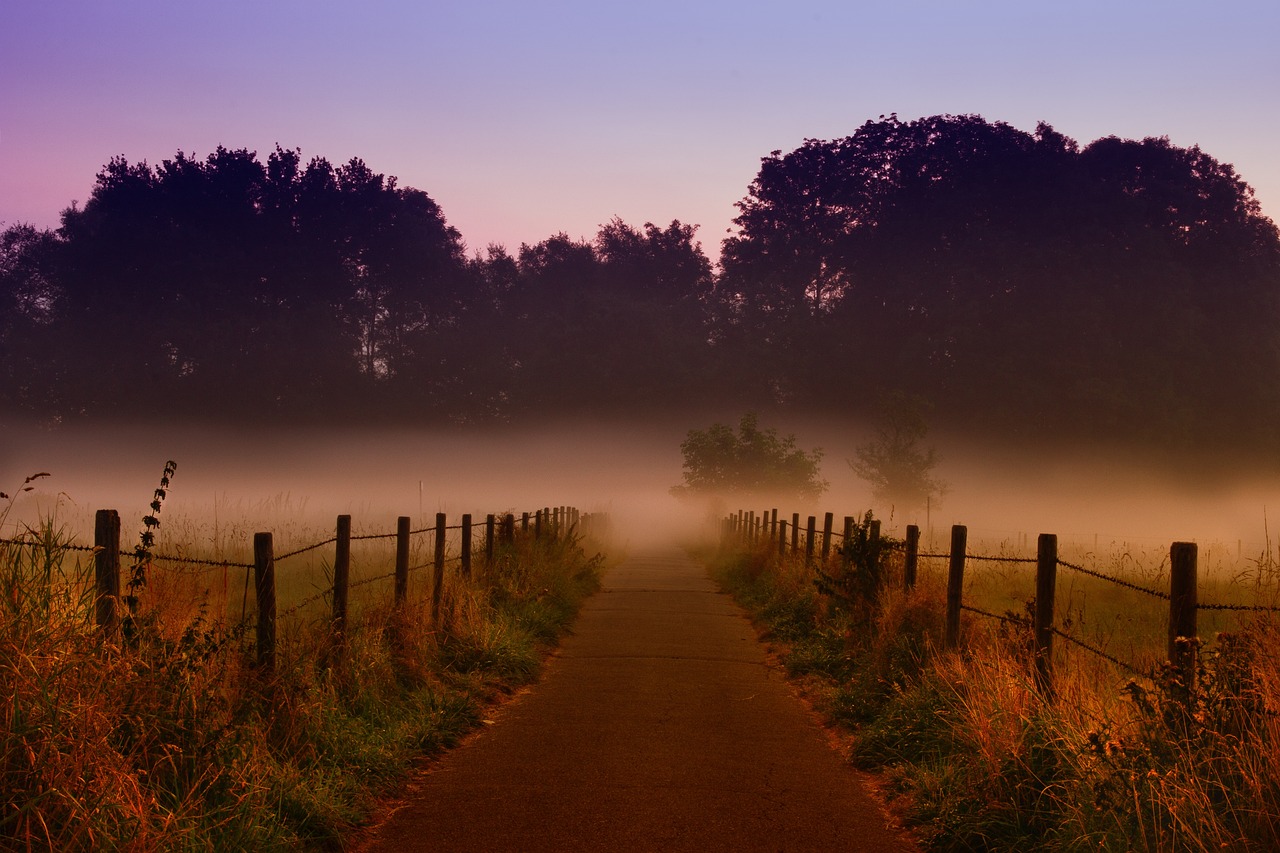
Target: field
(172, 736)
(1122, 755)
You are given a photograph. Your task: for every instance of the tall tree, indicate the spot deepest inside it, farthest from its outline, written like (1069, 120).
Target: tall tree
(609, 323)
(1011, 276)
(223, 282)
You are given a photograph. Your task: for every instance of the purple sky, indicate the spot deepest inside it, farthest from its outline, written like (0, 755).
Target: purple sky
(523, 119)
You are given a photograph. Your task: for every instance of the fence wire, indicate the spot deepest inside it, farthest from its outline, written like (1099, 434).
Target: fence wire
(1026, 623)
(1075, 567)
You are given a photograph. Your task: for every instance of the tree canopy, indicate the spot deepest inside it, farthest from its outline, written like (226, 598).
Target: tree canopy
(1014, 276)
(1018, 281)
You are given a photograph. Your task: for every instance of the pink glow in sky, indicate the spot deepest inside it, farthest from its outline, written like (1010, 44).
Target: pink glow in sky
(523, 119)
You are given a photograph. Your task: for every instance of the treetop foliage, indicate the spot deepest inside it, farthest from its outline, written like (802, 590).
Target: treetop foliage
(1021, 281)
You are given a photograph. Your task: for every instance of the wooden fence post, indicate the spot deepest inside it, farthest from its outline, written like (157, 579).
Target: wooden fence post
(437, 580)
(524, 522)
(827, 521)
(466, 543)
(846, 559)
(264, 584)
(955, 585)
(773, 522)
(782, 538)
(509, 529)
(912, 558)
(808, 539)
(106, 570)
(1182, 611)
(795, 532)
(341, 576)
(488, 539)
(1046, 585)
(402, 559)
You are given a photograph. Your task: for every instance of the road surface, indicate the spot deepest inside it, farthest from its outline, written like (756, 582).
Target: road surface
(658, 726)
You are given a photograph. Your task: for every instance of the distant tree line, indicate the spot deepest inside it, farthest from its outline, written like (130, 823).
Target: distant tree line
(1017, 281)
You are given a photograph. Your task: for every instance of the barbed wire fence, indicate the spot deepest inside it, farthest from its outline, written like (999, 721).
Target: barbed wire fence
(559, 523)
(816, 545)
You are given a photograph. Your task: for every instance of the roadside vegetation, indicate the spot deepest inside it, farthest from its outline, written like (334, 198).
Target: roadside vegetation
(170, 739)
(975, 758)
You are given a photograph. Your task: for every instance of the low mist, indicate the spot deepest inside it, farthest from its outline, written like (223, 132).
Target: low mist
(262, 477)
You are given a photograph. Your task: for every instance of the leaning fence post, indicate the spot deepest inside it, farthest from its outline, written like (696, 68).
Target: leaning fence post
(1182, 611)
(465, 547)
(1046, 585)
(106, 569)
(912, 557)
(264, 584)
(402, 559)
(827, 521)
(955, 585)
(437, 580)
(341, 576)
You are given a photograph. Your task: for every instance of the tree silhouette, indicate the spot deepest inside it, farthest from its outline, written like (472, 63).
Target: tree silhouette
(1012, 277)
(898, 467)
(751, 461)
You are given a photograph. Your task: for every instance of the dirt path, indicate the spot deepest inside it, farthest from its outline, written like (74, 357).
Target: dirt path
(659, 726)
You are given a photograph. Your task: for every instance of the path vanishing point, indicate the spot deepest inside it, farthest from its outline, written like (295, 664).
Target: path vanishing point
(659, 726)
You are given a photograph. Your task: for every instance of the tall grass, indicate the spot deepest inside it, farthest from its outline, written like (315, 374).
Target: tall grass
(171, 739)
(977, 759)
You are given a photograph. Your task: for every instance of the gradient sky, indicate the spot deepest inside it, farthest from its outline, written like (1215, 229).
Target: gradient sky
(524, 119)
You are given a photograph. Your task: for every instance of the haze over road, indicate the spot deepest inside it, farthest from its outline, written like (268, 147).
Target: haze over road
(658, 726)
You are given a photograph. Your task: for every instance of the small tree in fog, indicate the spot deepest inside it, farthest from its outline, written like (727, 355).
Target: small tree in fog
(751, 461)
(896, 464)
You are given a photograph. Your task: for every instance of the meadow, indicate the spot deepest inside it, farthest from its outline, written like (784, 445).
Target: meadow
(171, 736)
(1122, 755)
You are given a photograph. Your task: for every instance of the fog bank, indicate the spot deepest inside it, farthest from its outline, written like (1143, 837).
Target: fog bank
(623, 468)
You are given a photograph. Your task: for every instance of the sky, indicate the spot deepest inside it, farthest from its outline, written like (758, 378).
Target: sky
(526, 119)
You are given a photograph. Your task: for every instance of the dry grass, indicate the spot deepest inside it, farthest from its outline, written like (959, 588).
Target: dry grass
(169, 737)
(979, 759)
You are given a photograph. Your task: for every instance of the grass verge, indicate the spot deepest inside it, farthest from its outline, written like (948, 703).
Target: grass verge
(171, 739)
(975, 758)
